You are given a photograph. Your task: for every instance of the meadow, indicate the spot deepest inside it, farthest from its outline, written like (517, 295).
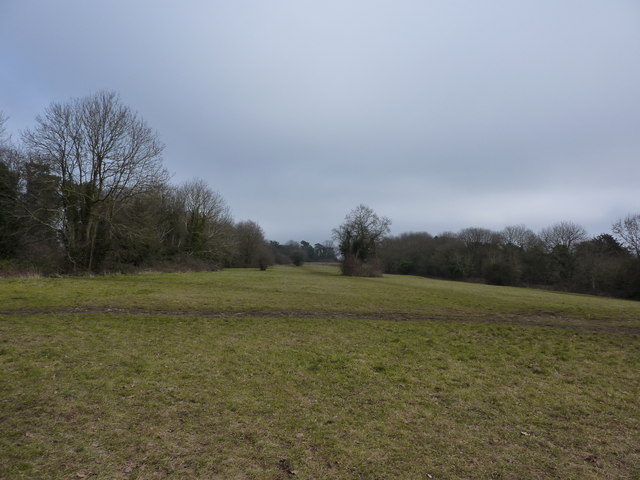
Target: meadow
(303, 373)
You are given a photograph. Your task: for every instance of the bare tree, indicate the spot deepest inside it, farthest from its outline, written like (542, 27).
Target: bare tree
(3, 130)
(251, 246)
(628, 231)
(207, 222)
(563, 234)
(475, 236)
(103, 154)
(358, 239)
(518, 236)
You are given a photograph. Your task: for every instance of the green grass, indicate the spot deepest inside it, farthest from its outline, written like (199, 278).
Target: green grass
(139, 394)
(307, 289)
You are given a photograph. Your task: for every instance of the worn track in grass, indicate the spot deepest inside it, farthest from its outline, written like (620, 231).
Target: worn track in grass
(552, 321)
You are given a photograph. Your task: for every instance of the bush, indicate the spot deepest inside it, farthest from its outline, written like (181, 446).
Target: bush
(353, 267)
(265, 257)
(297, 257)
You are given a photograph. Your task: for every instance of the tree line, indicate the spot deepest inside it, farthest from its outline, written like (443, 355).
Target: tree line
(599, 265)
(86, 191)
(561, 256)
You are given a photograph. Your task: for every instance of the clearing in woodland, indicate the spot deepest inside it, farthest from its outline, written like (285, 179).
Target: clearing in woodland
(303, 373)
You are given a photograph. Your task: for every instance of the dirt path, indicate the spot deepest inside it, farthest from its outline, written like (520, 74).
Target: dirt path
(549, 321)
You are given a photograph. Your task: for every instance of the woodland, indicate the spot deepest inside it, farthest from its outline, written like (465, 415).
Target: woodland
(85, 191)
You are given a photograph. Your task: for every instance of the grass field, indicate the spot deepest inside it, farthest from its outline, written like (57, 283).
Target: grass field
(302, 373)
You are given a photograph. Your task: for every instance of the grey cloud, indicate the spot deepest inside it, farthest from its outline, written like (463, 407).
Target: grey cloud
(441, 115)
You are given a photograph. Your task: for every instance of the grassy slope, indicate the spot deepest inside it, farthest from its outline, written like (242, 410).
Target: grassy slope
(95, 395)
(307, 289)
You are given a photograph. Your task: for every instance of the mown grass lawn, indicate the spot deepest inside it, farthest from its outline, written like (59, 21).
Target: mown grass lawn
(132, 393)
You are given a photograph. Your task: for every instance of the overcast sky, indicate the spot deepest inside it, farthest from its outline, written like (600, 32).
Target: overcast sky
(437, 114)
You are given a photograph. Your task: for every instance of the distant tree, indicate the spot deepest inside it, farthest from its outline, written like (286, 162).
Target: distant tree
(599, 262)
(628, 231)
(251, 246)
(297, 253)
(266, 257)
(516, 243)
(207, 221)
(280, 253)
(103, 154)
(408, 253)
(482, 250)
(606, 244)
(9, 194)
(358, 239)
(10, 226)
(563, 234)
(187, 224)
(560, 241)
(325, 251)
(474, 236)
(517, 236)
(309, 252)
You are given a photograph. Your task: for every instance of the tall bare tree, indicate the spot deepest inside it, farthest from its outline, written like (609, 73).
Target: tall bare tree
(518, 236)
(563, 234)
(628, 231)
(475, 236)
(251, 246)
(207, 222)
(103, 154)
